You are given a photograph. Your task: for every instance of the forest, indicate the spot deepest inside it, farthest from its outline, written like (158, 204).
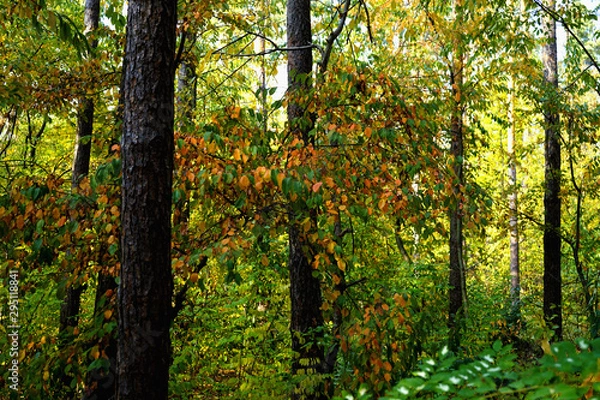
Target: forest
(295, 199)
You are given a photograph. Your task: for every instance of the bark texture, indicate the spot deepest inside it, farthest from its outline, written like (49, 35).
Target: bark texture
(552, 202)
(305, 291)
(146, 288)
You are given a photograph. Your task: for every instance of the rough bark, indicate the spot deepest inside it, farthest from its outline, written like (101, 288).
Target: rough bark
(552, 202)
(299, 66)
(305, 292)
(146, 288)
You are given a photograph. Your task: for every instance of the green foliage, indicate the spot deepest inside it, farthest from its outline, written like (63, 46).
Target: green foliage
(569, 371)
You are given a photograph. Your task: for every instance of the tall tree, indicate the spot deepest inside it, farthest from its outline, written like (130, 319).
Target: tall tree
(146, 289)
(513, 216)
(305, 291)
(552, 203)
(513, 209)
(457, 281)
(69, 311)
(81, 161)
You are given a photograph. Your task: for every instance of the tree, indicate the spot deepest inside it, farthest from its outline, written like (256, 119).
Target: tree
(457, 281)
(513, 209)
(306, 322)
(552, 201)
(81, 165)
(146, 288)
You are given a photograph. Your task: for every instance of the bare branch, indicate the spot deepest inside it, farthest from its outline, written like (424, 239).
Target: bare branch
(326, 54)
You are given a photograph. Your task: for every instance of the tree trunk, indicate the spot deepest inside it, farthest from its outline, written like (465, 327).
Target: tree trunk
(69, 311)
(305, 291)
(513, 221)
(100, 383)
(457, 291)
(552, 240)
(146, 288)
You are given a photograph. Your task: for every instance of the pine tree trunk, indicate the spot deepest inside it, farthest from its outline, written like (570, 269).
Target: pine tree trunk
(305, 292)
(552, 202)
(146, 288)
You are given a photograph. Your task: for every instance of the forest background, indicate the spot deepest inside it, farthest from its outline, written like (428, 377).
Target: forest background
(413, 213)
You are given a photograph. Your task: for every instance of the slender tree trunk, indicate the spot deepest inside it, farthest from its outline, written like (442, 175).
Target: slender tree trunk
(513, 219)
(457, 292)
(552, 202)
(186, 93)
(69, 311)
(101, 384)
(146, 288)
(81, 165)
(305, 291)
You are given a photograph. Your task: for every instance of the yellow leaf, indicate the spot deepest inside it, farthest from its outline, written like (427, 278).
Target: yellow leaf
(237, 155)
(94, 353)
(107, 314)
(330, 247)
(546, 346)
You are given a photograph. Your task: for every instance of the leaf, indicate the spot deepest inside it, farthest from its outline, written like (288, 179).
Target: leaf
(244, 182)
(20, 222)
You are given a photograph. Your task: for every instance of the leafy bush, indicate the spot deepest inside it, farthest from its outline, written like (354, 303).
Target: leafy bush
(567, 371)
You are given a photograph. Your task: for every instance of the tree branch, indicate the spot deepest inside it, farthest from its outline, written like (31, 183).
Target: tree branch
(556, 17)
(326, 54)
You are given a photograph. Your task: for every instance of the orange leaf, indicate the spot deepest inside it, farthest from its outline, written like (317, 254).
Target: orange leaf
(387, 366)
(244, 182)
(316, 186)
(368, 131)
(236, 155)
(280, 177)
(20, 222)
